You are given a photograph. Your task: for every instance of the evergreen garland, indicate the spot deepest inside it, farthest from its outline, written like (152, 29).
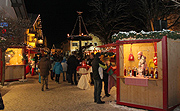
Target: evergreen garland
(145, 35)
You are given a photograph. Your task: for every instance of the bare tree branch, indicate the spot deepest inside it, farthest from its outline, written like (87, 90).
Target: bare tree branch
(106, 15)
(175, 22)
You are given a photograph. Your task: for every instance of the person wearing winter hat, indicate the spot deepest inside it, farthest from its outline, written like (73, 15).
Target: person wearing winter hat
(44, 66)
(64, 66)
(97, 78)
(57, 69)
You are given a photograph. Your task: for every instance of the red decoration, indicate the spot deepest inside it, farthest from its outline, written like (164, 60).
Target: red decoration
(27, 69)
(131, 57)
(83, 63)
(3, 31)
(155, 54)
(155, 60)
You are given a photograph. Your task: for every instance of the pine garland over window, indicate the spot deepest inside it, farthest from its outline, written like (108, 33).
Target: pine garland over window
(145, 35)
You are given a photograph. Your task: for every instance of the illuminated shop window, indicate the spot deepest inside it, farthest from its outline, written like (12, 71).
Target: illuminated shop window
(74, 44)
(14, 56)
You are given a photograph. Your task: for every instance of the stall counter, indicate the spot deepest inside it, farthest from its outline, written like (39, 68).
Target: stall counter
(13, 72)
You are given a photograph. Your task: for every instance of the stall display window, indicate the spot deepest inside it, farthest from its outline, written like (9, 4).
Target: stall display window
(14, 56)
(140, 60)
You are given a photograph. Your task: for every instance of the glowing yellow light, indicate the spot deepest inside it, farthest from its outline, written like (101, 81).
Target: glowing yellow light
(32, 44)
(31, 34)
(40, 41)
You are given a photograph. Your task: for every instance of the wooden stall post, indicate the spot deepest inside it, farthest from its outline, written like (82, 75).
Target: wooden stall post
(165, 73)
(118, 72)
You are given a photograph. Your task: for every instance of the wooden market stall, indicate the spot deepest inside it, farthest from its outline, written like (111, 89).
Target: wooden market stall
(160, 94)
(15, 66)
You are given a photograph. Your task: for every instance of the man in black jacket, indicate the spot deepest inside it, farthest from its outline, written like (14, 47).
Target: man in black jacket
(90, 64)
(97, 79)
(72, 65)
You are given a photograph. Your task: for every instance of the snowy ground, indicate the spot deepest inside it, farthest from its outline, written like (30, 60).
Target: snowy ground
(27, 96)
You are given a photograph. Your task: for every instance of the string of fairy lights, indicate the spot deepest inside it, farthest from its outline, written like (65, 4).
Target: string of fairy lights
(132, 35)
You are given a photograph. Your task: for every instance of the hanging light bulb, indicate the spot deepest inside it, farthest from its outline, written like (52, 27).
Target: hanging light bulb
(68, 35)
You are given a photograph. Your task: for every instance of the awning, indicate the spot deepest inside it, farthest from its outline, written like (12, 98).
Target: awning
(33, 50)
(112, 50)
(107, 45)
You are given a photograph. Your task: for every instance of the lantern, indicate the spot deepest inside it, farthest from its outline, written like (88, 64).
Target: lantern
(40, 41)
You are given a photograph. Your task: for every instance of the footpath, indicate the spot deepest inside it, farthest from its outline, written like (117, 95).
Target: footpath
(27, 96)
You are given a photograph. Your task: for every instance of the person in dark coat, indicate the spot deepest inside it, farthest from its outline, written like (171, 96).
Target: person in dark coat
(90, 64)
(97, 79)
(36, 60)
(72, 63)
(44, 66)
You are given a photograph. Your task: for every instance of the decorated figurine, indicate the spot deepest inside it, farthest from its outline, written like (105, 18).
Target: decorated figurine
(142, 63)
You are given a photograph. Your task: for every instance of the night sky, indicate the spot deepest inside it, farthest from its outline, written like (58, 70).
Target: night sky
(58, 16)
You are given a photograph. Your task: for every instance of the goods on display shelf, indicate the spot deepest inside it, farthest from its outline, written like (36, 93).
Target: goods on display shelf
(14, 56)
(142, 53)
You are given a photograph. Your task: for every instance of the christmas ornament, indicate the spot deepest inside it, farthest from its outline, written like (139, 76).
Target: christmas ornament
(131, 57)
(155, 60)
(3, 31)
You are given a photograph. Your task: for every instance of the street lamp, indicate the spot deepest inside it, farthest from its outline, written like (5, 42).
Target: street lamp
(40, 41)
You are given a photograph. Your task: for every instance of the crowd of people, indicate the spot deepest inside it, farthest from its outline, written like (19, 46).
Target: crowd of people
(58, 64)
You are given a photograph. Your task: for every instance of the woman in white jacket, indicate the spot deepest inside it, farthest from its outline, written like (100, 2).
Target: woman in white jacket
(64, 66)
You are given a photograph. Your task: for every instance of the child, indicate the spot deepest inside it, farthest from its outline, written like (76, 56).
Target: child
(64, 65)
(57, 69)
